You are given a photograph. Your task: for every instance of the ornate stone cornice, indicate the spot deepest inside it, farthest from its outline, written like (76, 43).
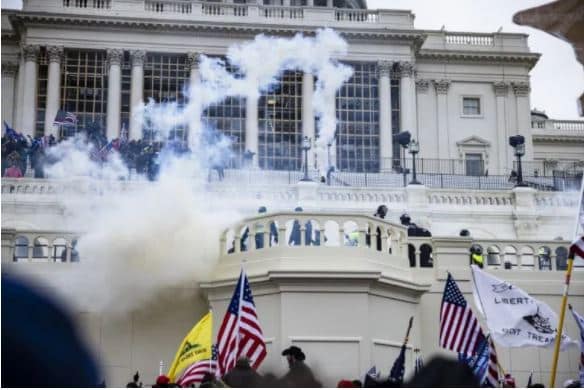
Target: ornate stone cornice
(422, 85)
(137, 57)
(31, 52)
(527, 59)
(55, 53)
(115, 56)
(415, 38)
(441, 86)
(193, 60)
(384, 68)
(9, 69)
(501, 88)
(521, 88)
(406, 69)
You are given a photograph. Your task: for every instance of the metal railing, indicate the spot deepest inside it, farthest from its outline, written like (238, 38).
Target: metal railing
(470, 39)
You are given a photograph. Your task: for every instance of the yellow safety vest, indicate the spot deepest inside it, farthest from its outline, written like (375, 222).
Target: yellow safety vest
(477, 259)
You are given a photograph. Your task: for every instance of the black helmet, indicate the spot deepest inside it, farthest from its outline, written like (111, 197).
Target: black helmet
(476, 249)
(262, 209)
(298, 209)
(405, 219)
(464, 233)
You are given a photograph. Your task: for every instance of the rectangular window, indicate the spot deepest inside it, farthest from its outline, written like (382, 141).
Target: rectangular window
(474, 164)
(471, 106)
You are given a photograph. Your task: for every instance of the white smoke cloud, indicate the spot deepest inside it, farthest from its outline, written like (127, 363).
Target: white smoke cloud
(157, 235)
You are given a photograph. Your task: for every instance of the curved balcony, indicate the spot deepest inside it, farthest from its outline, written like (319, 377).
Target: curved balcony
(316, 245)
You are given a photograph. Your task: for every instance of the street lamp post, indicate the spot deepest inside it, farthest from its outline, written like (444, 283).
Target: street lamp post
(414, 149)
(306, 148)
(518, 143)
(403, 139)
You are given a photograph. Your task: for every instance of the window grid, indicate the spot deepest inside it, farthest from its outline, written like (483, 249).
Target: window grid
(280, 124)
(165, 76)
(42, 85)
(358, 120)
(228, 117)
(395, 114)
(126, 70)
(84, 88)
(471, 106)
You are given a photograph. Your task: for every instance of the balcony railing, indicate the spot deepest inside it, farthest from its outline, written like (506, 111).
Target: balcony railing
(168, 6)
(470, 39)
(98, 4)
(272, 12)
(224, 9)
(357, 16)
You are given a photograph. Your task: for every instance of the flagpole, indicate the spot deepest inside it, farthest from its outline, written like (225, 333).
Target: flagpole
(241, 278)
(499, 366)
(565, 298)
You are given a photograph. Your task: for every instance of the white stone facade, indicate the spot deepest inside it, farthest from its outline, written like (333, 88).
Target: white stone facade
(347, 307)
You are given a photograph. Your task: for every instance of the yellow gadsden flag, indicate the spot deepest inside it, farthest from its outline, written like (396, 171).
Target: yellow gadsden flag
(195, 347)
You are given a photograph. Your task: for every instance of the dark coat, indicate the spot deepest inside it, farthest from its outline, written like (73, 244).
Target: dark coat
(242, 375)
(299, 375)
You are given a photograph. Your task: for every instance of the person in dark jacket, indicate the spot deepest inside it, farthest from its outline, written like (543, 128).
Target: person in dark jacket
(299, 375)
(242, 375)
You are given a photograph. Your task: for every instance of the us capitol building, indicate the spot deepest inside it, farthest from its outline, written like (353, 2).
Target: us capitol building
(461, 95)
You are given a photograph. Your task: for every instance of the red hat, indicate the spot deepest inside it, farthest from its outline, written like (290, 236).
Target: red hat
(162, 380)
(345, 383)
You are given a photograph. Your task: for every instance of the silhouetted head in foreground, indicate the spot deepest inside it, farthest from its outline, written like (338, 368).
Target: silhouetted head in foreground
(442, 372)
(40, 343)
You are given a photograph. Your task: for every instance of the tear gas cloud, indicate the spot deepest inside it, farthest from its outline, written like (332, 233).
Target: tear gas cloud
(163, 234)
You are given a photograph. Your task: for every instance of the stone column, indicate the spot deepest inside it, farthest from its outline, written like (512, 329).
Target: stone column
(29, 97)
(442, 87)
(251, 127)
(114, 93)
(55, 55)
(19, 95)
(522, 90)
(137, 94)
(9, 70)
(308, 121)
(193, 62)
(408, 98)
(385, 135)
(504, 154)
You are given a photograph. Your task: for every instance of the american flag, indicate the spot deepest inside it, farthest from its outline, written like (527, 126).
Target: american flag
(196, 372)
(65, 118)
(459, 329)
(240, 334)
(492, 377)
(577, 248)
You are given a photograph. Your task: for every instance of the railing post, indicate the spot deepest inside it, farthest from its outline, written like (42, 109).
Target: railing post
(237, 243)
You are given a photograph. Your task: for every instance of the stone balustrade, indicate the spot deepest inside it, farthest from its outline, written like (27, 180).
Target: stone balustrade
(552, 127)
(472, 39)
(273, 189)
(302, 229)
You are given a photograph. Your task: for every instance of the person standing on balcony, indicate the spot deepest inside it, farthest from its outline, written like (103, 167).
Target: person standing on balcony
(13, 171)
(476, 256)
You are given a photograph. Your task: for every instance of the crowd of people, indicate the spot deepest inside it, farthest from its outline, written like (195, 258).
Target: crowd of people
(439, 372)
(20, 153)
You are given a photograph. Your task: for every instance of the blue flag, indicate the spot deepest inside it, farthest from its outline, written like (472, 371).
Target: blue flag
(479, 362)
(10, 132)
(398, 370)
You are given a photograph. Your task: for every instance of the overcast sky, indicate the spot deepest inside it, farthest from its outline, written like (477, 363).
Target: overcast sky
(556, 81)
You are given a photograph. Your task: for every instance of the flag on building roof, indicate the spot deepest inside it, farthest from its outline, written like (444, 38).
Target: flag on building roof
(64, 118)
(240, 334)
(580, 321)
(196, 372)
(459, 329)
(398, 370)
(514, 318)
(194, 349)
